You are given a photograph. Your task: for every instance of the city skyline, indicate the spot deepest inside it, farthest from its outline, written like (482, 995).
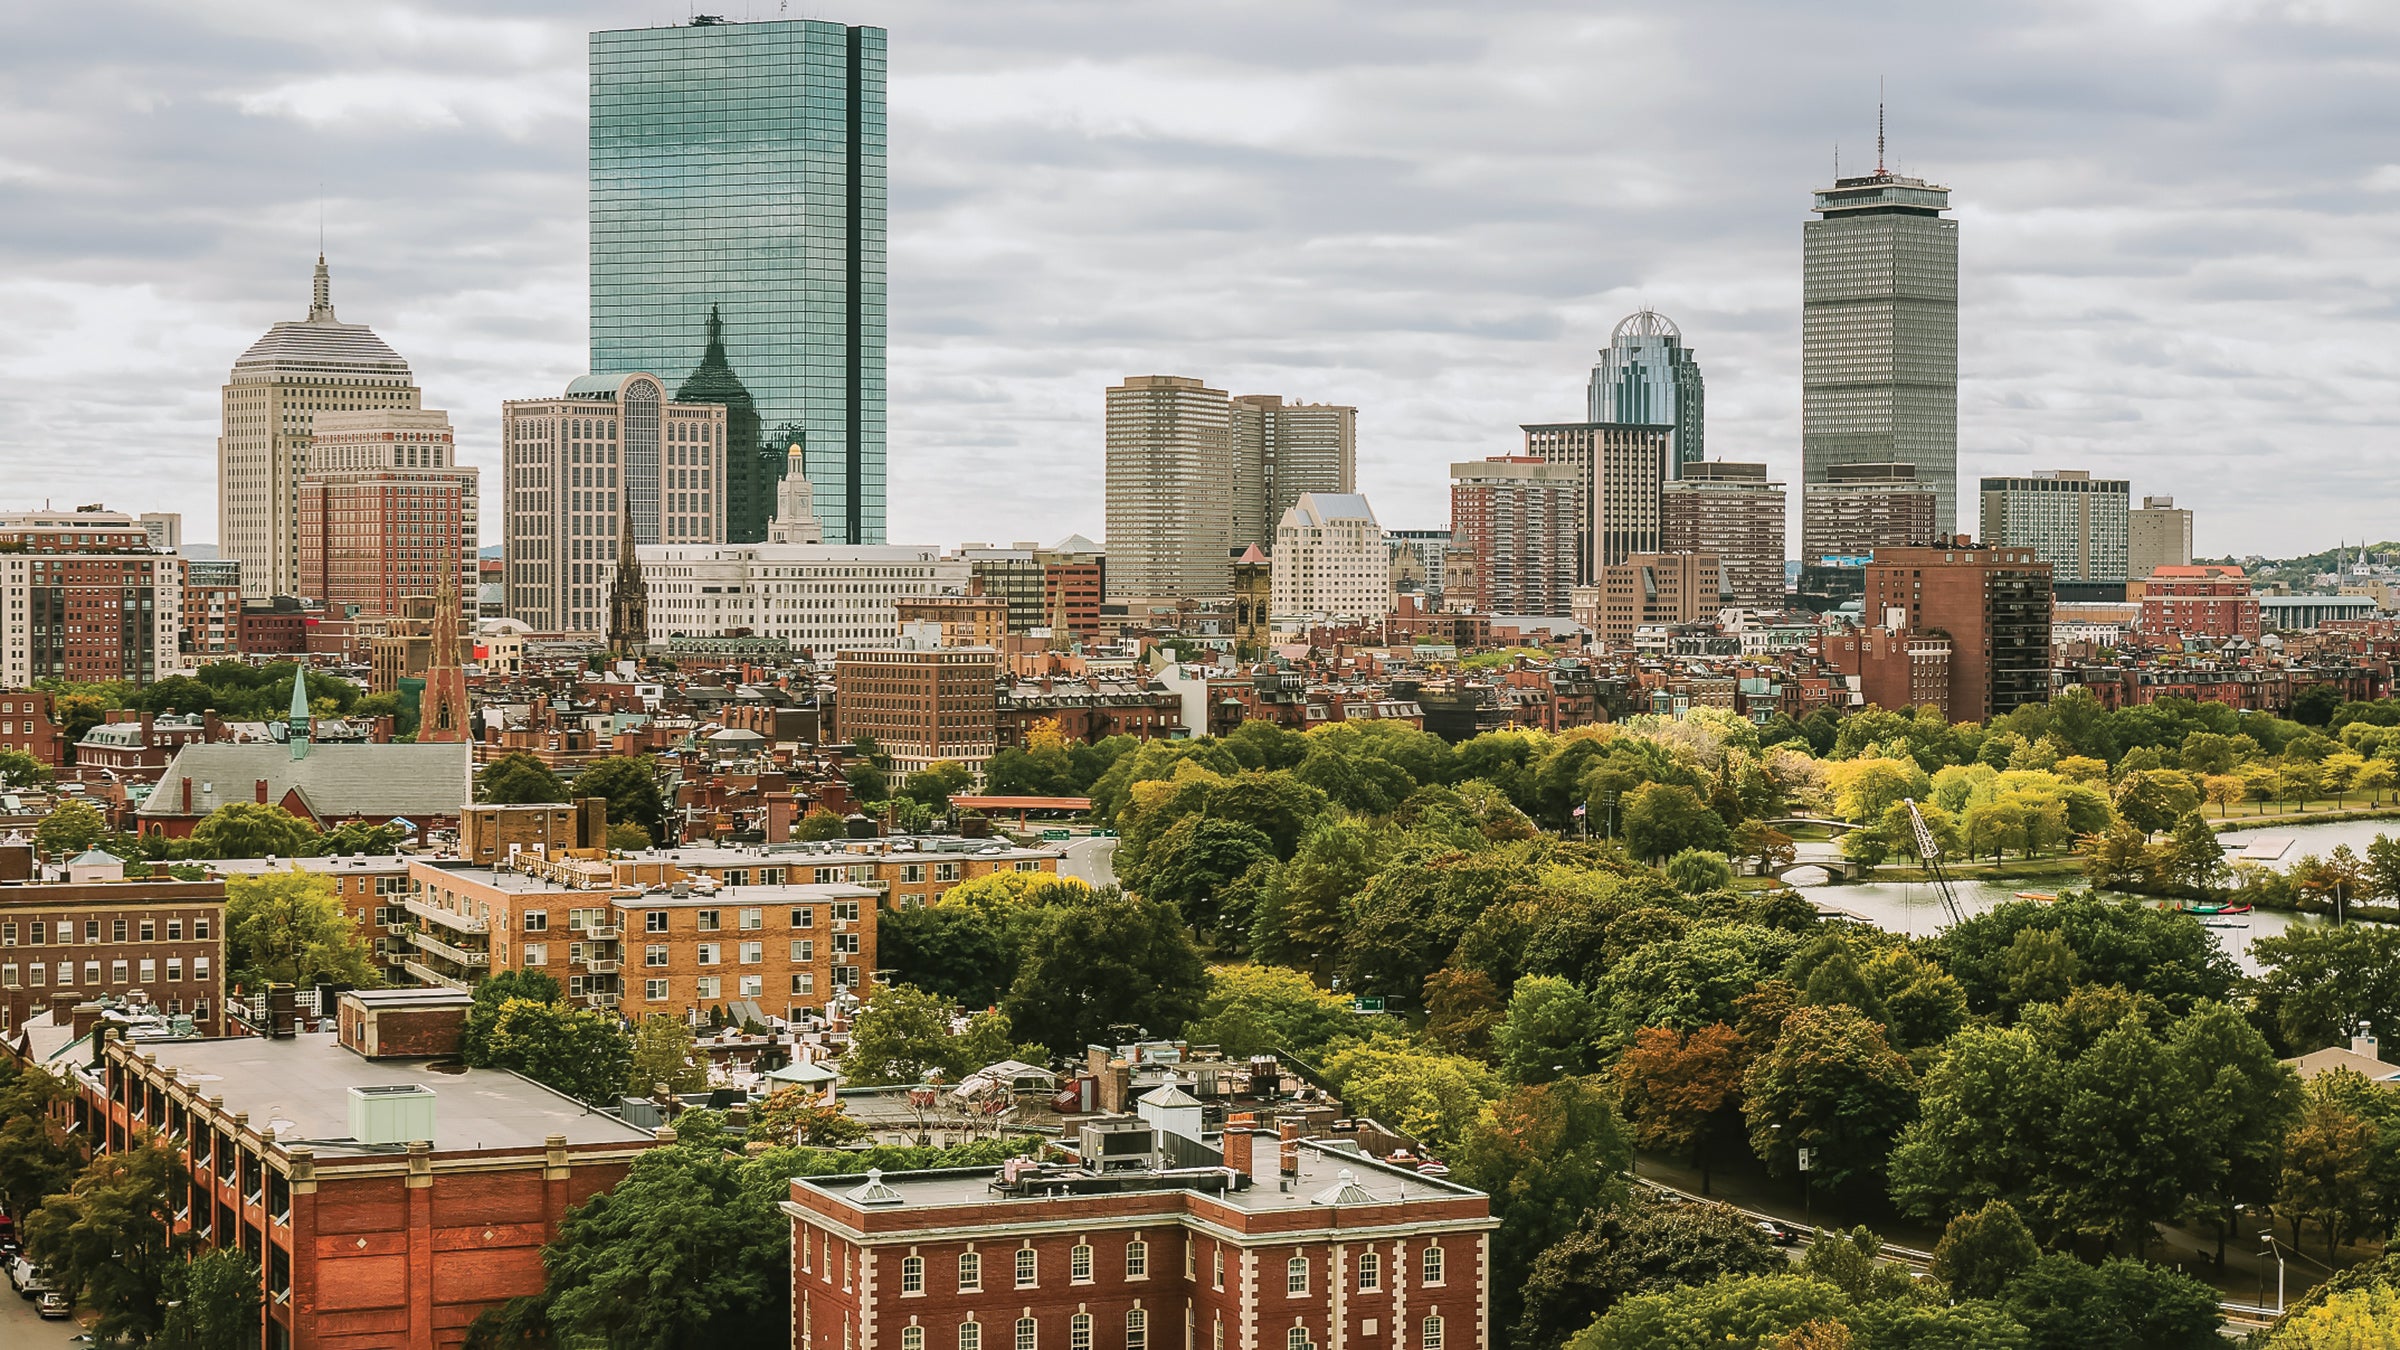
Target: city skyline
(1450, 280)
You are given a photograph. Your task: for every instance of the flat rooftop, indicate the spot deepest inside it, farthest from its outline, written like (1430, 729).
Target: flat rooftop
(1321, 1168)
(300, 1087)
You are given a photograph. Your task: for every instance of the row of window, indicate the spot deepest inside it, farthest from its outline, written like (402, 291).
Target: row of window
(42, 932)
(1369, 1267)
(1028, 1334)
(37, 974)
(710, 987)
(750, 953)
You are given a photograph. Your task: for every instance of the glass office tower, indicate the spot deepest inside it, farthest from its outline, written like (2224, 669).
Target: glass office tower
(1879, 333)
(1647, 375)
(737, 169)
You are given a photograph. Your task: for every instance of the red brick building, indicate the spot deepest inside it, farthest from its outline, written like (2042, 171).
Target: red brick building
(1290, 1245)
(386, 513)
(25, 725)
(388, 1204)
(1992, 603)
(2199, 602)
(95, 935)
(1892, 670)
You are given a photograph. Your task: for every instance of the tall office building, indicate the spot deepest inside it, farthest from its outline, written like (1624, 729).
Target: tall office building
(299, 369)
(1620, 470)
(2157, 534)
(2075, 521)
(1735, 512)
(737, 170)
(1283, 450)
(1171, 489)
(1647, 375)
(1879, 332)
(1858, 509)
(577, 470)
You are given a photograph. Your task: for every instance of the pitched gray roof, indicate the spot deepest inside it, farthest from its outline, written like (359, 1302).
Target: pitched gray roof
(336, 780)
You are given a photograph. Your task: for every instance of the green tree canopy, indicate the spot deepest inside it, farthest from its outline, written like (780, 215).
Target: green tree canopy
(1109, 963)
(518, 778)
(251, 830)
(630, 783)
(72, 826)
(1262, 1010)
(289, 927)
(1546, 1154)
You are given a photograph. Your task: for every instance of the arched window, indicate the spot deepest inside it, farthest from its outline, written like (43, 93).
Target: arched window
(1433, 1265)
(1028, 1334)
(1137, 1259)
(970, 1335)
(970, 1274)
(1079, 1263)
(1137, 1330)
(1370, 1272)
(1429, 1335)
(1295, 1275)
(1079, 1332)
(1025, 1267)
(912, 1338)
(912, 1275)
(1296, 1339)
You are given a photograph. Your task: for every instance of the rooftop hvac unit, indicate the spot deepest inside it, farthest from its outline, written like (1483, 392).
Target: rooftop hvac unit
(391, 1113)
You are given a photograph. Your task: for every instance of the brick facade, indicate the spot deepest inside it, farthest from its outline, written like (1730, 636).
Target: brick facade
(70, 943)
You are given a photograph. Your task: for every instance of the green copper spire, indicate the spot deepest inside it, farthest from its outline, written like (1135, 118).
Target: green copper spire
(298, 723)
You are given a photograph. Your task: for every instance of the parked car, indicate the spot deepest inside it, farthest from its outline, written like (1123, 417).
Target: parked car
(55, 1305)
(20, 1273)
(1779, 1234)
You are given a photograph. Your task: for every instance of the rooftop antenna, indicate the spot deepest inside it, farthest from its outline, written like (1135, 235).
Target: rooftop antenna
(1879, 126)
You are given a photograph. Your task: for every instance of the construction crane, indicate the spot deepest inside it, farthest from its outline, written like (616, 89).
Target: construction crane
(1931, 854)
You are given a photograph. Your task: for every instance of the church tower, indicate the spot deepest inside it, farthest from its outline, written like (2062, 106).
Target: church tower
(442, 708)
(628, 599)
(795, 506)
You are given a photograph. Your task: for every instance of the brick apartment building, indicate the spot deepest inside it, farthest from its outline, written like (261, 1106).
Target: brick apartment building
(490, 834)
(964, 620)
(25, 725)
(69, 942)
(1892, 670)
(1289, 1244)
(904, 872)
(1074, 580)
(2203, 601)
(641, 935)
(920, 706)
(387, 1203)
(1992, 603)
(1515, 535)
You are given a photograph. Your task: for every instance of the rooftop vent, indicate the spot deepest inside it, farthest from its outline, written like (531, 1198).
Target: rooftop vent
(1345, 1191)
(391, 1113)
(874, 1192)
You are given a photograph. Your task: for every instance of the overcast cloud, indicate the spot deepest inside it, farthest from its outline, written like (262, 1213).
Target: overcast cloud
(2177, 225)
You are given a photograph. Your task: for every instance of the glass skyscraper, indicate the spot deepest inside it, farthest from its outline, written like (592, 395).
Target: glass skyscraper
(1879, 333)
(737, 214)
(1646, 376)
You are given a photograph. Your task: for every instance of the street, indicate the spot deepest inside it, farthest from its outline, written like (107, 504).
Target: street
(21, 1328)
(1092, 859)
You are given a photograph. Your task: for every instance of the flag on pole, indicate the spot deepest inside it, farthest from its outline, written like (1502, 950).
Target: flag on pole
(1580, 810)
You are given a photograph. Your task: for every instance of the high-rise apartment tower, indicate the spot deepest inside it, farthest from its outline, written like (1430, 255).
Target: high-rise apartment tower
(1283, 450)
(1647, 375)
(1171, 489)
(737, 169)
(1620, 470)
(1879, 332)
(301, 368)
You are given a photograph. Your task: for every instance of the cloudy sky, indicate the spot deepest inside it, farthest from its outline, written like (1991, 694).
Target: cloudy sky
(2180, 253)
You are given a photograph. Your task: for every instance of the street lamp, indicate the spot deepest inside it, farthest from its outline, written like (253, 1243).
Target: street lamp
(2274, 1249)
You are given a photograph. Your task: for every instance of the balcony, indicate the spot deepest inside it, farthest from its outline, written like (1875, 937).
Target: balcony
(457, 955)
(398, 930)
(600, 967)
(607, 998)
(459, 923)
(431, 976)
(608, 934)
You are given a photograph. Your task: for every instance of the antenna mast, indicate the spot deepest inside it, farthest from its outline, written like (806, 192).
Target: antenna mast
(1879, 126)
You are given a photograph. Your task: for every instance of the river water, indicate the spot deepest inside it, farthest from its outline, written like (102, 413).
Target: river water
(1914, 908)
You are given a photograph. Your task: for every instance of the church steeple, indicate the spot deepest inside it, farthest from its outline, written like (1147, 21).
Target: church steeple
(320, 304)
(296, 726)
(628, 597)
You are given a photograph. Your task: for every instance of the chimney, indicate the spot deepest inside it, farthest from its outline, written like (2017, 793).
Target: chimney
(2364, 1042)
(1235, 1142)
(187, 796)
(1288, 1132)
(262, 791)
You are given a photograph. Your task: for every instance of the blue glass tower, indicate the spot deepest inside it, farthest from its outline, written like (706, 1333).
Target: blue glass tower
(738, 169)
(1646, 376)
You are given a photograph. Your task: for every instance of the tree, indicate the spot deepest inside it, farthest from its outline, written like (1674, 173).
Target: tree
(1462, 1008)
(1550, 1030)
(898, 1037)
(679, 1255)
(1634, 1247)
(2122, 1148)
(1984, 1125)
(1757, 842)
(1258, 1010)
(662, 1053)
(2194, 858)
(1743, 1311)
(212, 1302)
(72, 826)
(818, 826)
(2354, 1319)
(630, 783)
(2243, 1100)
(2326, 1162)
(2153, 800)
(1110, 963)
(1191, 864)
(1697, 871)
(1848, 1261)
(1662, 819)
(580, 1053)
(474, 1038)
(2315, 985)
(1546, 1155)
(18, 769)
(112, 1238)
(938, 782)
(2067, 1305)
(38, 1157)
(2224, 789)
(1981, 1252)
(1426, 1094)
(518, 778)
(1833, 1085)
(799, 1116)
(1682, 1089)
(251, 830)
(289, 927)
(1303, 918)
(357, 836)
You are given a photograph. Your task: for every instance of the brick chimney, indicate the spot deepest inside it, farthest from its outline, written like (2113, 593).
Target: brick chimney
(1235, 1142)
(1288, 1132)
(262, 792)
